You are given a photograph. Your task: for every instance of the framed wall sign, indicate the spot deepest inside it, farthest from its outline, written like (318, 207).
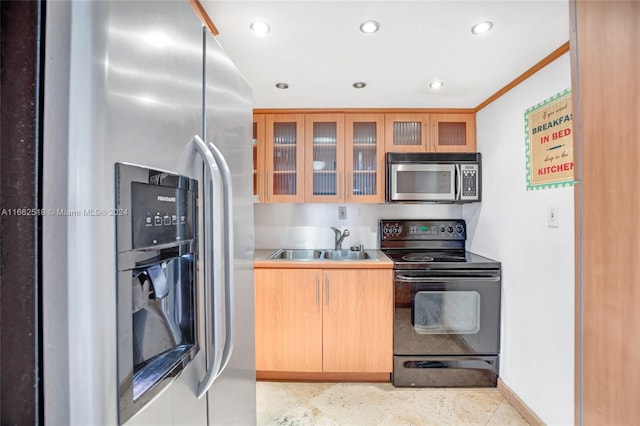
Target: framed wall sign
(549, 142)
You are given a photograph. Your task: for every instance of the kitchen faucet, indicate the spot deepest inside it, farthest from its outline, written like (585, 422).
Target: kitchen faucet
(340, 236)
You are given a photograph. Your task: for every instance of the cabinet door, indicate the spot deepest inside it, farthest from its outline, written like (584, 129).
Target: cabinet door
(406, 132)
(259, 174)
(324, 160)
(288, 320)
(364, 158)
(454, 132)
(357, 321)
(284, 159)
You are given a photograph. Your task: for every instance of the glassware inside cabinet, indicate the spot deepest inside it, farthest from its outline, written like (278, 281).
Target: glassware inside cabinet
(364, 158)
(284, 158)
(324, 158)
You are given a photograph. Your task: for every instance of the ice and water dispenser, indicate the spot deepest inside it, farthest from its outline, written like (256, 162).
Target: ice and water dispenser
(157, 244)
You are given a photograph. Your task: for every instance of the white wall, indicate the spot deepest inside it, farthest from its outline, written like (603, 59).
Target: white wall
(307, 225)
(510, 225)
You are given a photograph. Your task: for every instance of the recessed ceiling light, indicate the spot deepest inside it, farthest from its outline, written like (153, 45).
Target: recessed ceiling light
(359, 84)
(369, 27)
(282, 85)
(481, 27)
(260, 28)
(436, 84)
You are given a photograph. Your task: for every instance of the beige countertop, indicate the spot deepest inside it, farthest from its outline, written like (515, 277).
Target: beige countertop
(381, 262)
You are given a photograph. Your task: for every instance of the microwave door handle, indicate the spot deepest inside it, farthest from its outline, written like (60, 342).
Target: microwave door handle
(458, 182)
(229, 290)
(213, 293)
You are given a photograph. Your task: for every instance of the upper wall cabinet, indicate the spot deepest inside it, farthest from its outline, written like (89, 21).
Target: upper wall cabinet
(344, 158)
(364, 158)
(324, 158)
(407, 132)
(453, 132)
(284, 158)
(337, 157)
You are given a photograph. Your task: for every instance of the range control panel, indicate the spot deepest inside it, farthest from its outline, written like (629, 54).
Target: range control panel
(408, 230)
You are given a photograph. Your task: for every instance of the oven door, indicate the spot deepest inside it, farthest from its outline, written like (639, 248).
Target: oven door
(446, 312)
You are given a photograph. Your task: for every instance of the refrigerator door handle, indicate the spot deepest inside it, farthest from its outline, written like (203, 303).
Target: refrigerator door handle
(213, 302)
(228, 251)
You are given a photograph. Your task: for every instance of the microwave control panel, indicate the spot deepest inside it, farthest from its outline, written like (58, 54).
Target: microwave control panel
(470, 187)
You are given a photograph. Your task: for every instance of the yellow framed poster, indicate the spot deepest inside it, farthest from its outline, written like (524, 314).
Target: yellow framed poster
(549, 142)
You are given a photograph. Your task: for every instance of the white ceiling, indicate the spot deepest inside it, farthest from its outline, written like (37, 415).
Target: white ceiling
(317, 48)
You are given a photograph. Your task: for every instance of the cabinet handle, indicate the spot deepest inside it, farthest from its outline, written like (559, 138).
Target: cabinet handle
(317, 290)
(426, 138)
(326, 290)
(268, 193)
(435, 136)
(260, 187)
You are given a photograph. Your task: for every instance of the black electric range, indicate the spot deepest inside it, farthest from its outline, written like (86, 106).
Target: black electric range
(446, 326)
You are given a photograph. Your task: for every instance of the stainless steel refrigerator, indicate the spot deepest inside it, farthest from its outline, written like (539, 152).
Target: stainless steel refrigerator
(142, 84)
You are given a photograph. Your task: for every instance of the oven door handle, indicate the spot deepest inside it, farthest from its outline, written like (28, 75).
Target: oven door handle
(433, 279)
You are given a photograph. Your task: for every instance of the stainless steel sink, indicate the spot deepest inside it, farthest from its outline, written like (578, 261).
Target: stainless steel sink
(345, 255)
(297, 254)
(324, 254)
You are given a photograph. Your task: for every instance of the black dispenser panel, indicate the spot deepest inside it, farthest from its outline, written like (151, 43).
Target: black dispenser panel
(157, 287)
(160, 215)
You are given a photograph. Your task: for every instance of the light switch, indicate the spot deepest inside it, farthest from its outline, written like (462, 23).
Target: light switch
(342, 212)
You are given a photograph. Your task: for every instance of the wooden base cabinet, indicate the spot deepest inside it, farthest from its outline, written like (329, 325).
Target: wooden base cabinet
(288, 320)
(357, 321)
(324, 321)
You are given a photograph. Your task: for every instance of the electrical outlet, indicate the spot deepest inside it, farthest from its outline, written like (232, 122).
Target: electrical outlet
(342, 212)
(553, 217)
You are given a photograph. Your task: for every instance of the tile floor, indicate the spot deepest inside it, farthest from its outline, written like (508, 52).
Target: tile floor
(363, 404)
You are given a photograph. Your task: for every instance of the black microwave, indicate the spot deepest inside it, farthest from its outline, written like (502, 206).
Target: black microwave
(434, 177)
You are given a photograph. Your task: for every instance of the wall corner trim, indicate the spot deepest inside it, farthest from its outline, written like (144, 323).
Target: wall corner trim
(199, 9)
(525, 75)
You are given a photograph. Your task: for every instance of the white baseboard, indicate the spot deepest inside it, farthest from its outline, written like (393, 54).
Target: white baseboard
(529, 415)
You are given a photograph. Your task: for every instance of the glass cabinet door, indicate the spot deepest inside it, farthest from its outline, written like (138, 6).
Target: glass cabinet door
(284, 158)
(364, 158)
(407, 132)
(258, 157)
(454, 132)
(324, 136)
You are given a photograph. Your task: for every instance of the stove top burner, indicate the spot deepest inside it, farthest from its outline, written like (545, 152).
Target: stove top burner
(427, 257)
(414, 257)
(452, 259)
